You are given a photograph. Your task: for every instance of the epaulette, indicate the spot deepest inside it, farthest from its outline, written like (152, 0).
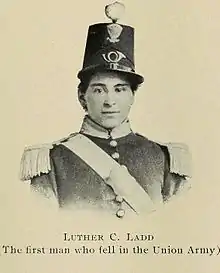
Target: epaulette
(180, 158)
(36, 159)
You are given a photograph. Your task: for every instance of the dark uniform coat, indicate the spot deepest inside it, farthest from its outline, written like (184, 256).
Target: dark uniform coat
(162, 170)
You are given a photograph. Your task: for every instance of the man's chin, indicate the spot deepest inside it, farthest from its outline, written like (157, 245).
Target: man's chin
(110, 124)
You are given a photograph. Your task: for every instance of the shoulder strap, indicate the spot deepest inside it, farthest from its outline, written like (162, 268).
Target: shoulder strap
(103, 164)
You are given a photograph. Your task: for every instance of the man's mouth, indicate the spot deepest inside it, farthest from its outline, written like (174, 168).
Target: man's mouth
(110, 112)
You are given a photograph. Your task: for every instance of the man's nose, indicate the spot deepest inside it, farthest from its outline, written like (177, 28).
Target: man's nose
(109, 99)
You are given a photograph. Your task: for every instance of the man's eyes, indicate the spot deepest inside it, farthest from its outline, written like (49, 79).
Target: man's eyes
(98, 90)
(120, 89)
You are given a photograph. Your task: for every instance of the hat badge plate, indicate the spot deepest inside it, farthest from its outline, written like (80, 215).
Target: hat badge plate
(114, 32)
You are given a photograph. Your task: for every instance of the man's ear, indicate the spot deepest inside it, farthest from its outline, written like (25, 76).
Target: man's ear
(81, 98)
(133, 98)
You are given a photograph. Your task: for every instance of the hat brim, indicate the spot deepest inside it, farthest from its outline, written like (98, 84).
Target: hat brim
(88, 71)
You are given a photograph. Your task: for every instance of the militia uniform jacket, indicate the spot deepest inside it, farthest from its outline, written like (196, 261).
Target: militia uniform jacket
(161, 170)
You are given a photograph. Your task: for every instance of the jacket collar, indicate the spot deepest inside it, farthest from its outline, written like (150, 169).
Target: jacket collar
(90, 127)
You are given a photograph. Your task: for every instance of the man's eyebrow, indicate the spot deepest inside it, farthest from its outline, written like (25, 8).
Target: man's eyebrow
(97, 84)
(122, 84)
(103, 85)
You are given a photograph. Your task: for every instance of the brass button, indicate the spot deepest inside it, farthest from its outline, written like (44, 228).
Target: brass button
(120, 213)
(119, 198)
(113, 143)
(115, 155)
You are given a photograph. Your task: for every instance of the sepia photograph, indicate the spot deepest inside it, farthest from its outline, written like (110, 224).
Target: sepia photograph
(109, 136)
(105, 164)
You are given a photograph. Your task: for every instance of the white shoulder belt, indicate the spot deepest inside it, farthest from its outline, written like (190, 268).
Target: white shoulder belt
(136, 197)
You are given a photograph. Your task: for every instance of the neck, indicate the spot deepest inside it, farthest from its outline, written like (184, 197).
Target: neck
(90, 127)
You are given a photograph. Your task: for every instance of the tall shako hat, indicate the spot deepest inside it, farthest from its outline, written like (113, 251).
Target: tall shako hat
(110, 46)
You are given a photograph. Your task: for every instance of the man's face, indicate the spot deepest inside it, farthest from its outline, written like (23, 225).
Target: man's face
(108, 99)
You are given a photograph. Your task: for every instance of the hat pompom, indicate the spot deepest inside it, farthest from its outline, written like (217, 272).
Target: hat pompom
(115, 11)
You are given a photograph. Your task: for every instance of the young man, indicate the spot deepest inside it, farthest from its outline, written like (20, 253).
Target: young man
(106, 165)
